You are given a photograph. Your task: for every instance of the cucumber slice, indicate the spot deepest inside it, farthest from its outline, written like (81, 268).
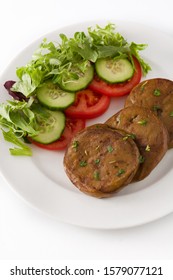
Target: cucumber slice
(53, 97)
(81, 83)
(51, 128)
(114, 70)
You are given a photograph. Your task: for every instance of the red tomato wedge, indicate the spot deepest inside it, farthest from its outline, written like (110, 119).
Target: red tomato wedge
(88, 104)
(118, 89)
(71, 128)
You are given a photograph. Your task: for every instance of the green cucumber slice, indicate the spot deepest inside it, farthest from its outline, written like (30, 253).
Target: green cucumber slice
(81, 83)
(53, 97)
(51, 128)
(114, 70)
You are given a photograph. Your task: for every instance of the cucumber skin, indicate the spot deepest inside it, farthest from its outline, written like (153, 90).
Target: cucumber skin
(40, 137)
(40, 93)
(85, 84)
(97, 66)
(56, 108)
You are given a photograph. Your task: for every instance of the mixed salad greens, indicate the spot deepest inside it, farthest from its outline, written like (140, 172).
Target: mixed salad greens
(69, 65)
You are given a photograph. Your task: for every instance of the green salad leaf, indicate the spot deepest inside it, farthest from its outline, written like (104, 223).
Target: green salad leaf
(61, 62)
(18, 116)
(21, 119)
(67, 60)
(21, 149)
(135, 48)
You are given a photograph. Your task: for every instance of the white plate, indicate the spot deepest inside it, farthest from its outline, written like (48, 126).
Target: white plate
(41, 179)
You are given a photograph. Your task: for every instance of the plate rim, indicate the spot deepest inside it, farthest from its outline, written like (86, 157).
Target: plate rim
(115, 225)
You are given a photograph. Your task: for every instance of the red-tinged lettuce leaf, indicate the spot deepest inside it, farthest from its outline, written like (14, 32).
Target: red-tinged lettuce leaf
(16, 95)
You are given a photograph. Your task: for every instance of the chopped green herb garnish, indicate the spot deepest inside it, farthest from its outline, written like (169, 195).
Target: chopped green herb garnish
(83, 163)
(75, 145)
(110, 149)
(171, 114)
(143, 85)
(156, 108)
(97, 161)
(142, 122)
(96, 175)
(141, 159)
(133, 136)
(157, 92)
(147, 148)
(120, 172)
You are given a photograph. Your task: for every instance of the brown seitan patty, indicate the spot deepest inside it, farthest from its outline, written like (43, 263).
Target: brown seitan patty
(148, 132)
(99, 162)
(156, 94)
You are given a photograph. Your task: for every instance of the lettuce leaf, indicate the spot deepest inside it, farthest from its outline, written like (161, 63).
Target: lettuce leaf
(21, 149)
(67, 60)
(134, 50)
(18, 116)
(18, 120)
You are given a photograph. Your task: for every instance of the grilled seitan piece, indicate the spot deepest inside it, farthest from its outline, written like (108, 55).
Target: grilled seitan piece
(149, 133)
(99, 161)
(157, 95)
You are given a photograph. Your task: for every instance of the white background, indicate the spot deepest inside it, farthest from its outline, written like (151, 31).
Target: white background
(25, 233)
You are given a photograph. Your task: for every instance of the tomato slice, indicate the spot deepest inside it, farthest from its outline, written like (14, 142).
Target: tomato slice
(88, 104)
(119, 89)
(71, 128)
